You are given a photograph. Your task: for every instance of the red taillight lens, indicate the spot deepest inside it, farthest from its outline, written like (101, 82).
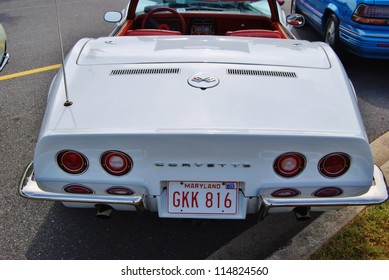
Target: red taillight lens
(288, 192)
(116, 163)
(334, 165)
(289, 164)
(328, 192)
(78, 189)
(120, 191)
(372, 14)
(72, 162)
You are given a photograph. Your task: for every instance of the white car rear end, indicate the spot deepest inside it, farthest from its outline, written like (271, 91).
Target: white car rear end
(204, 127)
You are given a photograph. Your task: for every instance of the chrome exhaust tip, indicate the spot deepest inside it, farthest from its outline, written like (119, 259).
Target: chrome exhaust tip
(104, 211)
(302, 213)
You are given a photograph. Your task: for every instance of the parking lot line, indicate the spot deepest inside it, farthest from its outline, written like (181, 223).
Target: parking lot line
(30, 72)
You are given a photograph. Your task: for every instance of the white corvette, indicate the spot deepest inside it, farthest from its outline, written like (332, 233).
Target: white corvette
(203, 126)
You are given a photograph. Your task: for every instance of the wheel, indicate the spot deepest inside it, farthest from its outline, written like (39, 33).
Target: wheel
(148, 17)
(331, 35)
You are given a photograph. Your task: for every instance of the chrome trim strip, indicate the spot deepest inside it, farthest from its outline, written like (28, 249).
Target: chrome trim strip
(5, 61)
(347, 30)
(28, 188)
(312, 9)
(377, 194)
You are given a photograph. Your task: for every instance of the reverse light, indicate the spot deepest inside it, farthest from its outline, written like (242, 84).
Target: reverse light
(289, 164)
(328, 192)
(120, 191)
(116, 163)
(78, 189)
(72, 162)
(372, 14)
(334, 165)
(287, 192)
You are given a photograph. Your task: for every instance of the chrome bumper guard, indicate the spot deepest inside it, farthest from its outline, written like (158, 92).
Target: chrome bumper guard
(377, 194)
(28, 188)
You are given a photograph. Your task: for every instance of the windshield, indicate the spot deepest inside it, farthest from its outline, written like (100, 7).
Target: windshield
(255, 7)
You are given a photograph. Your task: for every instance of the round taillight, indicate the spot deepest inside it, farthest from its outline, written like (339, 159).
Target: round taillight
(334, 165)
(78, 189)
(72, 162)
(116, 163)
(328, 192)
(288, 192)
(120, 191)
(289, 164)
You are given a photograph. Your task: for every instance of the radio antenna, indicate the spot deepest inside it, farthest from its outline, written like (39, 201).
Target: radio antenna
(67, 101)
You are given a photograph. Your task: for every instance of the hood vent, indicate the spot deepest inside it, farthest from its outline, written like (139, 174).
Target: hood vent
(247, 72)
(145, 71)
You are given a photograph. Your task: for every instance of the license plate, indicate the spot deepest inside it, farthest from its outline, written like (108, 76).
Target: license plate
(196, 197)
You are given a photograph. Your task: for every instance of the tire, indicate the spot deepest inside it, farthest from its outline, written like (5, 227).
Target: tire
(331, 33)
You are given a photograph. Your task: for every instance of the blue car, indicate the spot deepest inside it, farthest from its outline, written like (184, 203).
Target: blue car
(359, 26)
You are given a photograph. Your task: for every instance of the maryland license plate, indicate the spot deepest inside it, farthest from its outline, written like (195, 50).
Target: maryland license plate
(196, 197)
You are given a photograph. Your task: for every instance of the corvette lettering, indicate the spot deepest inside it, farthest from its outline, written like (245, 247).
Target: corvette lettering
(204, 165)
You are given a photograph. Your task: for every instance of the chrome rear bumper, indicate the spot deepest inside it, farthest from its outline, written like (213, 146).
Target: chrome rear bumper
(378, 193)
(28, 188)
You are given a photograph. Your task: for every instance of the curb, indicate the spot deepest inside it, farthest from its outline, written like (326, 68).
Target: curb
(317, 233)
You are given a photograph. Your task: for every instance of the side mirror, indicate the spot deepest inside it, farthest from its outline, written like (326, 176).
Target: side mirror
(113, 16)
(295, 20)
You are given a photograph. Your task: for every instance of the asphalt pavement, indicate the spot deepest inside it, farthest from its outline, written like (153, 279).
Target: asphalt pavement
(315, 235)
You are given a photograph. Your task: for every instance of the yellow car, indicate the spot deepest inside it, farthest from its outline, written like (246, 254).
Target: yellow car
(4, 56)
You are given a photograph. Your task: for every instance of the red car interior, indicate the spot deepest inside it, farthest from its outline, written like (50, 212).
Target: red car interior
(203, 24)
